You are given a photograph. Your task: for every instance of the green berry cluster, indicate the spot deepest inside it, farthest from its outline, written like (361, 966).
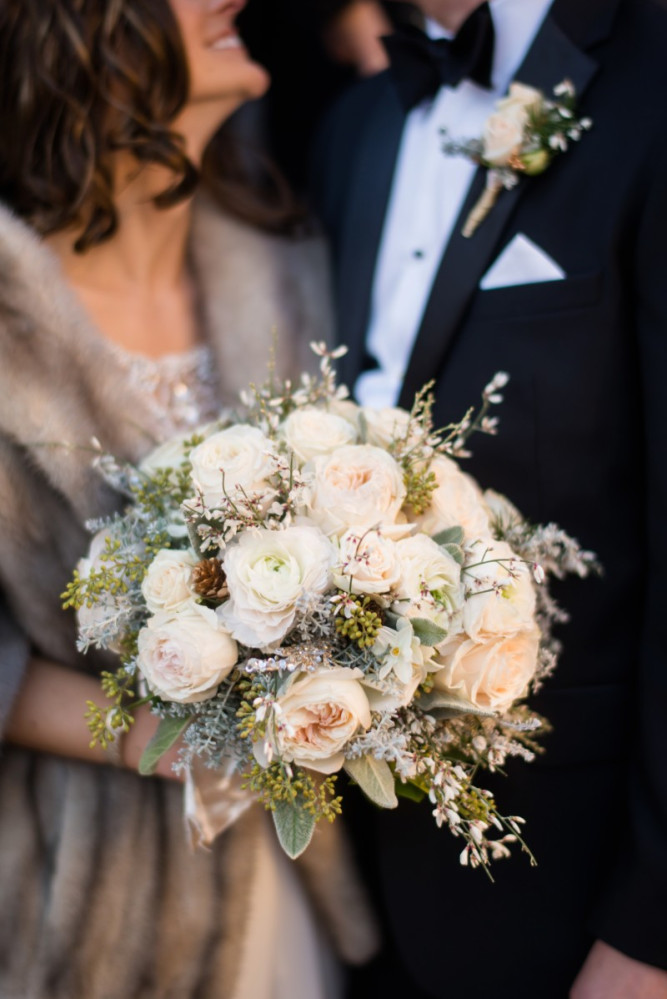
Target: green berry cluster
(359, 620)
(277, 783)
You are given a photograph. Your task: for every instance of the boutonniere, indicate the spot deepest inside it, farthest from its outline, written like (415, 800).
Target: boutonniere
(522, 136)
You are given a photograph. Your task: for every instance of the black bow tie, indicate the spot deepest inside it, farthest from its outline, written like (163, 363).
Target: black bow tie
(421, 65)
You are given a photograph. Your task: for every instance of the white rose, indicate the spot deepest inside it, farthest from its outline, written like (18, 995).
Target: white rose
(318, 715)
(384, 426)
(267, 574)
(185, 656)
(239, 458)
(166, 585)
(500, 597)
(430, 578)
(503, 135)
(310, 432)
(367, 563)
(457, 502)
(358, 486)
(171, 454)
(492, 674)
(521, 96)
(501, 512)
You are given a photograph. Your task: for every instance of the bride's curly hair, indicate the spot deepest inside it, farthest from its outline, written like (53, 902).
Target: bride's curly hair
(81, 80)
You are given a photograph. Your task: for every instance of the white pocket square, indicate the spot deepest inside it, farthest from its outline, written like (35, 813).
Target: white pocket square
(521, 262)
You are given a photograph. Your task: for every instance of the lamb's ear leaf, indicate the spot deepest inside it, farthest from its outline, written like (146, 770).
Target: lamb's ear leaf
(427, 632)
(451, 536)
(168, 733)
(294, 825)
(375, 779)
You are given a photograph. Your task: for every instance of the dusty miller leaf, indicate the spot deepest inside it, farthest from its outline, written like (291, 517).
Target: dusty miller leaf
(294, 825)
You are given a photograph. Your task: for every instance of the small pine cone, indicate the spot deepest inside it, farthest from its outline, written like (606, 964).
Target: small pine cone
(209, 580)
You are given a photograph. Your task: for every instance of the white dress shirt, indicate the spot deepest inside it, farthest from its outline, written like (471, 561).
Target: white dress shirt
(427, 195)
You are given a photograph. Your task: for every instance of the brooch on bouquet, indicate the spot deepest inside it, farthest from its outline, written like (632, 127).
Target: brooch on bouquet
(522, 136)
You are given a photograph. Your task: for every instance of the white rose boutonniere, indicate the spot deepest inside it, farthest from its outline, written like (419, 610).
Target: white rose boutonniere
(523, 135)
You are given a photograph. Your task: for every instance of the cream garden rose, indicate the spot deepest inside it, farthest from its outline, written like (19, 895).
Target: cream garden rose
(185, 656)
(311, 432)
(520, 95)
(430, 580)
(385, 425)
(367, 563)
(503, 135)
(267, 574)
(492, 674)
(238, 458)
(457, 502)
(500, 593)
(318, 715)
(166, 586)
(358, 486)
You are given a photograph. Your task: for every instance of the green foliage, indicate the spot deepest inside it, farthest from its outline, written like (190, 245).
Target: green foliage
(294, 825)
(280, 783)
(168, 733)
(375, 779)
(105, 723)
(420, 484)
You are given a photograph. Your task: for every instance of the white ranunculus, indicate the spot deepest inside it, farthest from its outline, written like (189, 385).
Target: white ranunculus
(318, 715)
(358, 486)
(491, 674)
(430, 578)
(521, 96)
(311, 432)
(239, 458)
(167, 584)
(504, 135)
(185, 656)
(268, 572)
(367, 563)
(457, 502)
(384, 426)
(500, 596)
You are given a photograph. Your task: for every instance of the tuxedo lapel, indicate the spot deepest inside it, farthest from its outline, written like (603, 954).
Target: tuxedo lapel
(552, 58)
(364, 220)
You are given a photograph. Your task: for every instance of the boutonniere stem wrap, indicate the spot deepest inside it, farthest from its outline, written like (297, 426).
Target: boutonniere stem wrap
(523, 135)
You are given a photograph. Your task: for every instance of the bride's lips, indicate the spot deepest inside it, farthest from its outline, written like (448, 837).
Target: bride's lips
(221, 31)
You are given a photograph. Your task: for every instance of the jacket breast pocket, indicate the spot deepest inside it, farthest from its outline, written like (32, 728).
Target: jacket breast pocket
(542, 298)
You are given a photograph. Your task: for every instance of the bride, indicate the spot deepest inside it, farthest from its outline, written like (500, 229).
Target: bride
(130, 311)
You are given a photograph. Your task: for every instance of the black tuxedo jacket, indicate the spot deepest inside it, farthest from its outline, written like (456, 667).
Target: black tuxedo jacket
(582, 442)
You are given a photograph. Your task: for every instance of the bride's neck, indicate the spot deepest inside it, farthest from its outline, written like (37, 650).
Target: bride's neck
(148, 249)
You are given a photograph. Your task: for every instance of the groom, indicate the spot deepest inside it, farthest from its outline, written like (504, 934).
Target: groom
(563, 285)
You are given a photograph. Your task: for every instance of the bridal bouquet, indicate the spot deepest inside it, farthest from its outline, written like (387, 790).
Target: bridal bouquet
(315, 587)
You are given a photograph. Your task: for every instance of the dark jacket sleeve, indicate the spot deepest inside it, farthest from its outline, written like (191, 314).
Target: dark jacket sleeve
(631, 913)
(14, 653)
